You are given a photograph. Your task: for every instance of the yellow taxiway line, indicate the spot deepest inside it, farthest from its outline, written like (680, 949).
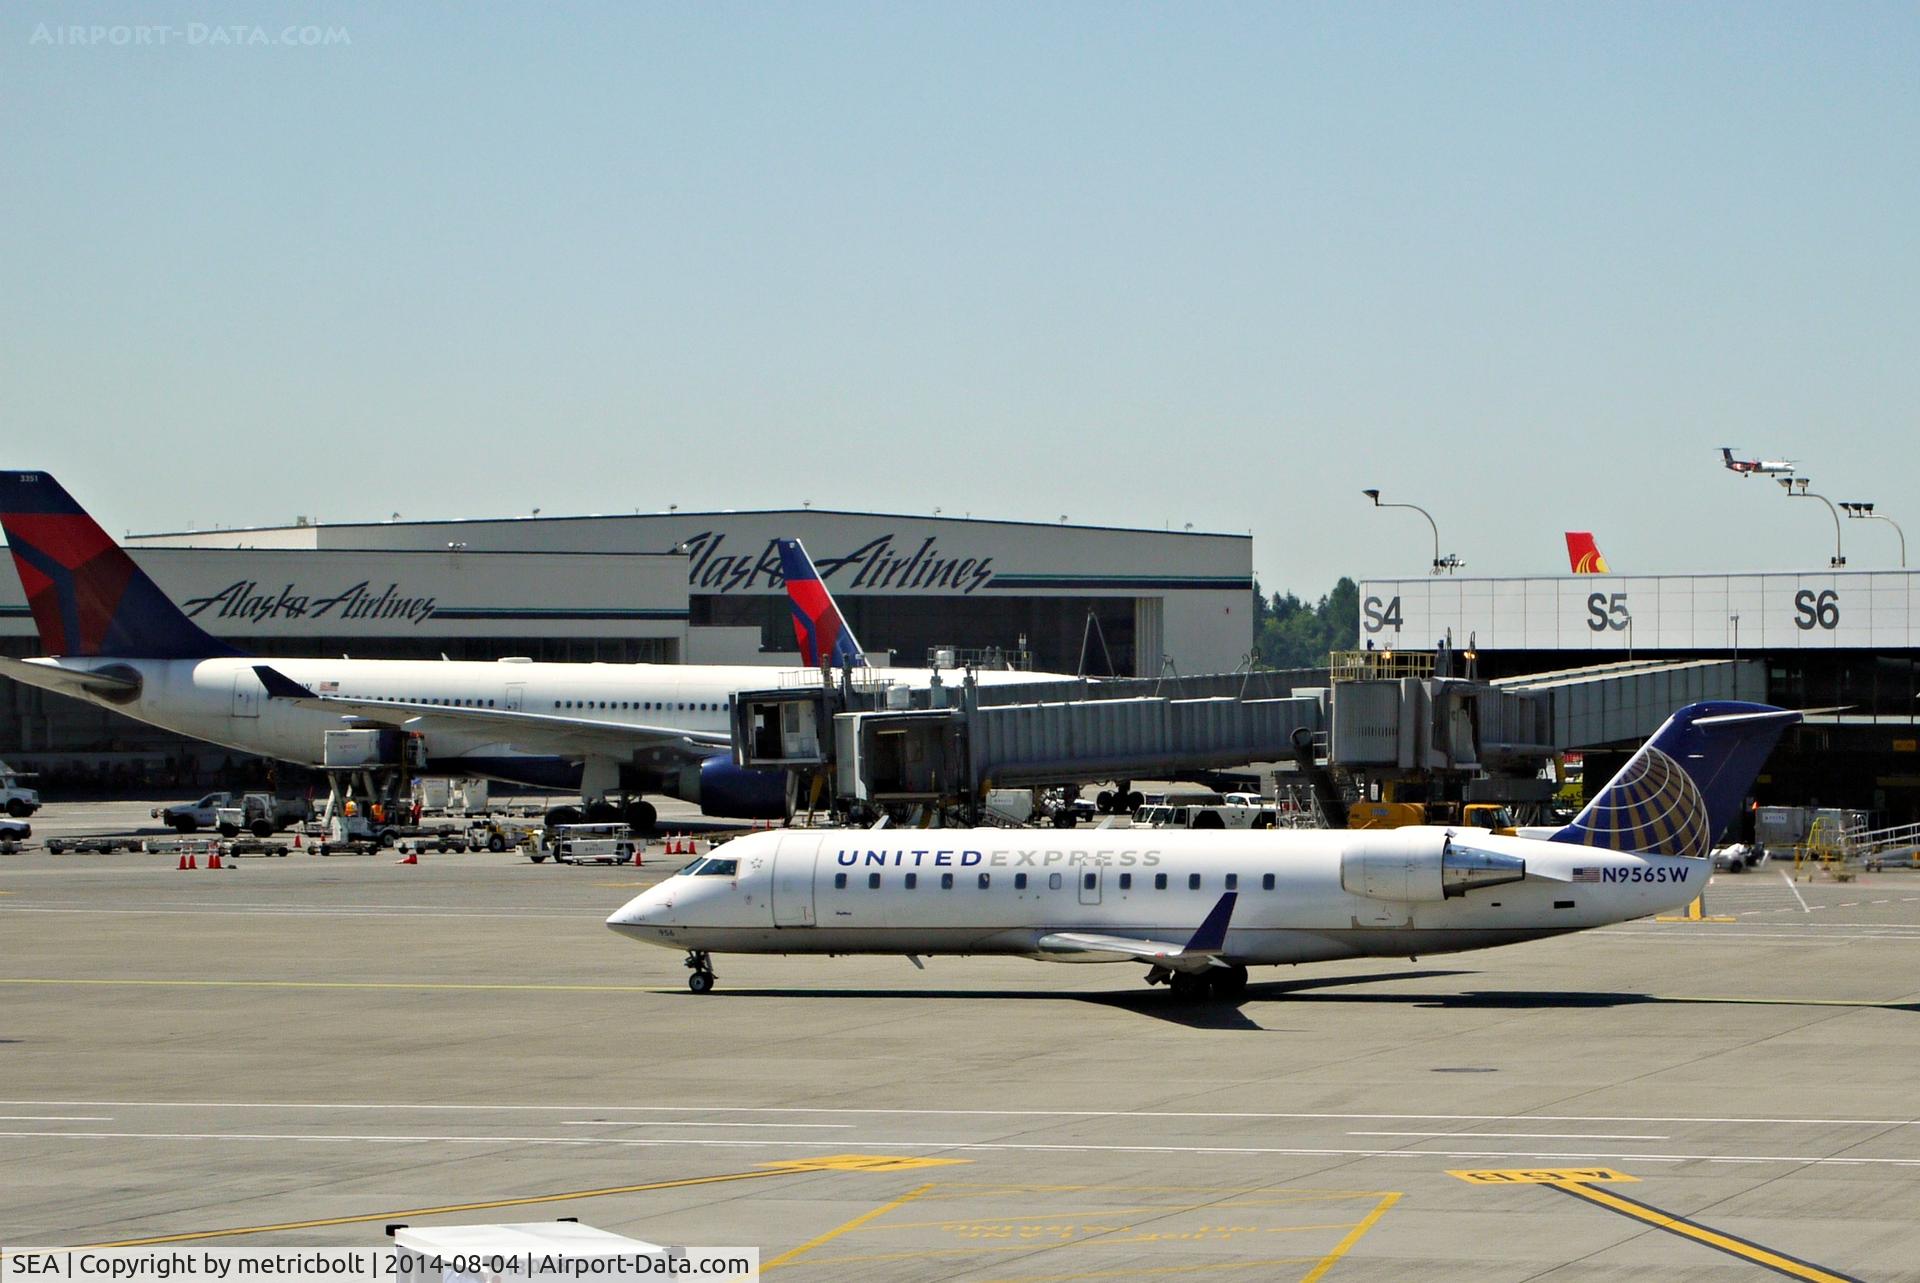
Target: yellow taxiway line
(1354, 1235)
(1580, 1183)
(1778, 1262)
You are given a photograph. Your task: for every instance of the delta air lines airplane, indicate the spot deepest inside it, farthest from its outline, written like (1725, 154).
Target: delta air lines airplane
(610, 730)
(1197, 908)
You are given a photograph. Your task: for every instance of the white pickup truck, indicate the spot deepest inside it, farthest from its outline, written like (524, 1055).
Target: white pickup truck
(19, 802)
(1206, 811)
(250, 812)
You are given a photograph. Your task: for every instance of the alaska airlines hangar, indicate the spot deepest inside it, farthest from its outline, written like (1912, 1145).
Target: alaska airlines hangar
(675, 587)
(1844, 644)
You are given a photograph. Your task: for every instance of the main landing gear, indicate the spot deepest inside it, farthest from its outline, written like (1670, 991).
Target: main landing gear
(700, 964)
(1217, 982)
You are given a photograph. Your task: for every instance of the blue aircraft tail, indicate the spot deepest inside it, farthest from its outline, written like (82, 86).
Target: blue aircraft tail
(818, 626)
(87, 596)
(1686, 784)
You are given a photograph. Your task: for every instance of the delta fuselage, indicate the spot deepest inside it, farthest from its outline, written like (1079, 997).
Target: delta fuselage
(223, 701)
(1302, 895)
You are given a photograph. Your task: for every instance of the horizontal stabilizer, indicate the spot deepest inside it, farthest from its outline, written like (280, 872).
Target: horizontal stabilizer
(118, 680)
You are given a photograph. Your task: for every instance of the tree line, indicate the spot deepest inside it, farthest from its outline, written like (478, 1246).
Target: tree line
(1291, 633)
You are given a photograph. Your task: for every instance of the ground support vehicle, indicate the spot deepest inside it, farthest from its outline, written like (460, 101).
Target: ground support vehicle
(499, 832)
(188, 817)
(442, 840)
(12, 834)
(177, 846)
(261, 814)
(94, 843)
(1203, 811)
(354, 835)
(18, 802)
(587, 844)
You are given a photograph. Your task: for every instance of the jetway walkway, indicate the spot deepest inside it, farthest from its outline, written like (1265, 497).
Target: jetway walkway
(862, 740)
(1625, 701)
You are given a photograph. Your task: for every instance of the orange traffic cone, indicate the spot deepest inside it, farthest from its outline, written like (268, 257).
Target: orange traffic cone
(296, 841)
(185, 863)
(639, 850)
(411, 857)
(213, 860)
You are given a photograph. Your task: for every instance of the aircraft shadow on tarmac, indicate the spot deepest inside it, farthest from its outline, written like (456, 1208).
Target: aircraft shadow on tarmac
(1235, 1013)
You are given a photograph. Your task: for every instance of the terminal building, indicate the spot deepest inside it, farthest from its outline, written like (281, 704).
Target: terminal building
(675, 587)
(1842, 644)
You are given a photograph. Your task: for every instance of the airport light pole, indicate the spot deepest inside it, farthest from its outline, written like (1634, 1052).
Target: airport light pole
(1865, 512)
(1796, 488)
(1441, 565)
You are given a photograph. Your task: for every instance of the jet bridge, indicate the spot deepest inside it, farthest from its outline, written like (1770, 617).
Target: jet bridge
(867, 738)
(872, 741)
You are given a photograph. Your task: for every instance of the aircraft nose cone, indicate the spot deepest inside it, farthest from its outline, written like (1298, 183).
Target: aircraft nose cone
(636, 917)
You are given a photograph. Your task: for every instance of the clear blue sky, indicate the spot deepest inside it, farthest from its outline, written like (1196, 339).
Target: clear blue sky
(1526, 265)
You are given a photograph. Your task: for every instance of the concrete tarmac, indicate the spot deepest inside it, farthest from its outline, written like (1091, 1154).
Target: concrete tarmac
(350, 1041)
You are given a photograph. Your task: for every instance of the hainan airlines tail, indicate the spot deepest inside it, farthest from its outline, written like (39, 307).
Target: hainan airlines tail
(817, 624)
(1686, 784)
(1583, 554)
(87, 596)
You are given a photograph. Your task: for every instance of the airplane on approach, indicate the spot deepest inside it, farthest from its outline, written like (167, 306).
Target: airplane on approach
(613, 731)
(1584, 555)
(1755, 467)
(1198, 908)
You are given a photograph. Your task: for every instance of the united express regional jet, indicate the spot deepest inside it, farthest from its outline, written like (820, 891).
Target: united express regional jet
(1198, 908)
(609, 730)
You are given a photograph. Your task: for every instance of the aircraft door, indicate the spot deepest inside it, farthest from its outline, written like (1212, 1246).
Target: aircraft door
(793, 880)
(1090, 885)
(246, 694)
(516, 696)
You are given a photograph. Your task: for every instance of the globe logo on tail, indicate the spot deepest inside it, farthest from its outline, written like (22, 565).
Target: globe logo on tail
(1652, 806)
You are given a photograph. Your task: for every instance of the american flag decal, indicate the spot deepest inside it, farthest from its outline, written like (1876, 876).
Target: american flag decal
(329, 688)
(1586, 875)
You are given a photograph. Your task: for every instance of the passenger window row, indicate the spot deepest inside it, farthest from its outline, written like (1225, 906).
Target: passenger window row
(647, 706)
(423, 699)
(911, 881)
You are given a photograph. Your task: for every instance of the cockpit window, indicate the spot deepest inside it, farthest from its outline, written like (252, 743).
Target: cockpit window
(712, 868)
(691, 867)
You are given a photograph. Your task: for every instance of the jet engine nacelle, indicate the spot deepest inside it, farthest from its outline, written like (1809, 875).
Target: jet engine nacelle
(734, 792)
(1422, 864)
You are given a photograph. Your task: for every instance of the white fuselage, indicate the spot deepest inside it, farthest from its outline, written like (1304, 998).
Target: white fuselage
(223, 701)
(996, 891)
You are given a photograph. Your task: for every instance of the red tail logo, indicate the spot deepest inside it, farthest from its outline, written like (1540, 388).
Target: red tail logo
(1584, 555)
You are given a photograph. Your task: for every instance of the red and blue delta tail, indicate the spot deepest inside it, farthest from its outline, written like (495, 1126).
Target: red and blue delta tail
(1687, 783)
(87, 596)
(817, 624)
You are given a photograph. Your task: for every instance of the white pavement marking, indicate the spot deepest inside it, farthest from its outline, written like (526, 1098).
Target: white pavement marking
(1519, 1135)
(964, 1113)
(631, 1122)
(56, 1118)
(942, 1146)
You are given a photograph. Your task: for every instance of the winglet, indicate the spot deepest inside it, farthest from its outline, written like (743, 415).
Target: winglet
(279, 685)
(1212, 935)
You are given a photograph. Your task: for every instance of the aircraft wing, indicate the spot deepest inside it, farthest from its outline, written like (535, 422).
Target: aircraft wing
(1198, 954)
(67, 681)
(536, 732)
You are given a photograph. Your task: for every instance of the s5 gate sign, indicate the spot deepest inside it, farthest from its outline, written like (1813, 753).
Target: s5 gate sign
(1616, 613)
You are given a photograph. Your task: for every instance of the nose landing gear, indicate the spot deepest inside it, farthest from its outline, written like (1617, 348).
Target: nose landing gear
(700, 964)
